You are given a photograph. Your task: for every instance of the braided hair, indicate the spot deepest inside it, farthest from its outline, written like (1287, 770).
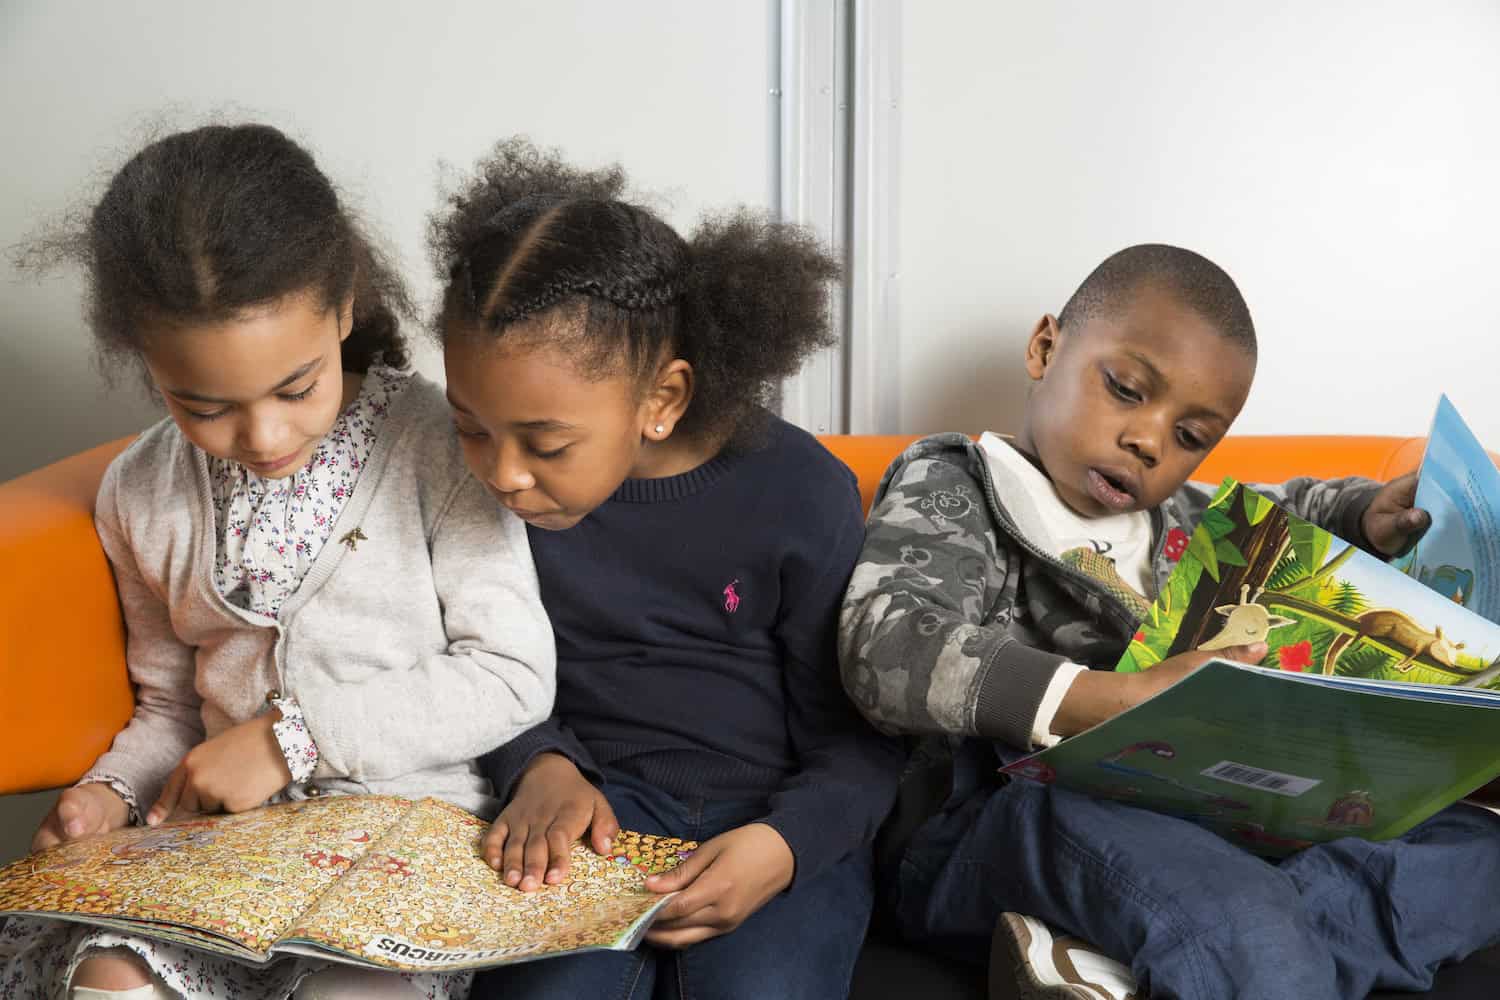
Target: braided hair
(200, 225)
(532, 247)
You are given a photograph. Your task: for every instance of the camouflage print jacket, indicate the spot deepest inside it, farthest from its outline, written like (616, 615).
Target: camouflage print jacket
(955, 620)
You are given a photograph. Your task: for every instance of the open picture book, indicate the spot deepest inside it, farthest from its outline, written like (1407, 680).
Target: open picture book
(1374, 707)
(370, 880)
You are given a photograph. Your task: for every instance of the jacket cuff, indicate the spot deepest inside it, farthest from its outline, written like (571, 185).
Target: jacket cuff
(1010, 695)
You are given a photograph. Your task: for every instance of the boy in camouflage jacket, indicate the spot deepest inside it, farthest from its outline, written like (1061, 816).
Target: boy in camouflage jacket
(967, 622)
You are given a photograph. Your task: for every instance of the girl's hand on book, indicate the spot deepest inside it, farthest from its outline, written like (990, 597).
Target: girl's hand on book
(82, 811)
(531, 841)
(726, 880)
(236, 770)
(1391, 523)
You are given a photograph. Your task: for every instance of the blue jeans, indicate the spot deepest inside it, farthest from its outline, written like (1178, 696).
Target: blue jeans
(1193, 915)
(802, 943)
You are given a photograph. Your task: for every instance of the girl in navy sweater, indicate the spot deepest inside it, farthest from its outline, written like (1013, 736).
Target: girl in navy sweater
(607, 379)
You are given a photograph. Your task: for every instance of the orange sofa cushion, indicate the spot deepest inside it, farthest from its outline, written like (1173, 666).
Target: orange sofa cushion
(1252, 458)
(62, 654)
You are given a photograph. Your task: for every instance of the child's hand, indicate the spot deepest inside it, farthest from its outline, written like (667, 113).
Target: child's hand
(532, 838)
(82, 811)
(236, 770)
(726, 880)
(1097, 695)
(1175, 668)
(1391, 523)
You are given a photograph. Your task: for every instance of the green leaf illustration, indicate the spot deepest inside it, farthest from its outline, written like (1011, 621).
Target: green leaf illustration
(1217, 523)
(1256, 507)
(1201, 547)
(1228, 554)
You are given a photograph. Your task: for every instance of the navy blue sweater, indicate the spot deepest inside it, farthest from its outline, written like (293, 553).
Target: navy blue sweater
(696, 620)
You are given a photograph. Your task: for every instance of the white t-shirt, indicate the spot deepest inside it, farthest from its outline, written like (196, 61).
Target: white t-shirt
(1045, 519)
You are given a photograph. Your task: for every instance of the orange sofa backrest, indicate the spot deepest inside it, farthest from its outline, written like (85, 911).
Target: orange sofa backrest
(62, 651)
(1252, 458)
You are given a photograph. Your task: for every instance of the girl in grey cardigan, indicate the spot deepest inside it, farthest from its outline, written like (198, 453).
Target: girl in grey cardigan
(317, 598)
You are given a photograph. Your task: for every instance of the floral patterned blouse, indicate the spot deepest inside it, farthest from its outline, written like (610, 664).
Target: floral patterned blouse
(270, 531)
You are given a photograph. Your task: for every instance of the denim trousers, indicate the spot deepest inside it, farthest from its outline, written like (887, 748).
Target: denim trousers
(1194, 916)
(802, 943)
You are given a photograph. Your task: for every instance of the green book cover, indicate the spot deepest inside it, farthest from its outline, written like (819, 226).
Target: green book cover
(1369, 714)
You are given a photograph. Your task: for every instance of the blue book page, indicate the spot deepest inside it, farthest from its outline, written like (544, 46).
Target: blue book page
(1459, 556)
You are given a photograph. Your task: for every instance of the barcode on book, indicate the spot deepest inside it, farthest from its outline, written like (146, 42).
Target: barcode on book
(1254, 777)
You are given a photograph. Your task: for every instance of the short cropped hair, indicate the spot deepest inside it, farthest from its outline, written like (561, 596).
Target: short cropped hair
(1196, 281)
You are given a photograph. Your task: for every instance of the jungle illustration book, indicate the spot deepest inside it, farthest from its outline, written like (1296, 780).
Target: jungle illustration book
(1370, 712)
(370, 880)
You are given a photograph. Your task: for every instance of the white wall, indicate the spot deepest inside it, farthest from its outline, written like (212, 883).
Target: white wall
(1340, 160)
(676, 90)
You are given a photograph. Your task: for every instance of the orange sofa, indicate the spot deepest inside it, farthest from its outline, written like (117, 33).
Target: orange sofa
(62, 662)
(62, 644)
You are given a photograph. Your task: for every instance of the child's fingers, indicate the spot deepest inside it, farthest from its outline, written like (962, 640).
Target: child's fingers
(170, 795)
(75, 816)
(604, 827)
(1404, 489)
(492, 847)
(515, 854)
(559, 852)
(681, 937)
(534, 864)
(49, 834)
(681, 877)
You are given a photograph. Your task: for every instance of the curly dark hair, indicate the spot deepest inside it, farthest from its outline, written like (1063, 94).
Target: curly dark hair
(1196, 281)
(744, 301)
(201, 225)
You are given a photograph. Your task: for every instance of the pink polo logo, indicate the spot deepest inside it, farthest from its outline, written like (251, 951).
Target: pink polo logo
(731, 597)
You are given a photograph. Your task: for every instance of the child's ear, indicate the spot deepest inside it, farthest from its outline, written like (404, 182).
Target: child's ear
(346, 318)
(667, 400)
(1041, 346)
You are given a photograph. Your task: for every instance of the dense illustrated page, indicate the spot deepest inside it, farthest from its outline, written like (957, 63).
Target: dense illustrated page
(1277, 761)
(232, 884)
(423, 898)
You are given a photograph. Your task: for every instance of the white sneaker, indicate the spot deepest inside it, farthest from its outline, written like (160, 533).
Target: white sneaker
(1026, 955)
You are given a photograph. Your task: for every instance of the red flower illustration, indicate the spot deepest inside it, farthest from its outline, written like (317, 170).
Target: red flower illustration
(1140, 636)
(1296, 657)
(1176, 544)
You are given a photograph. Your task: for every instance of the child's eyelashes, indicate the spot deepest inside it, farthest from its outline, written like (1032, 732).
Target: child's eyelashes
(293, 397)
(1120, 390)
(286, 397)
(1190, 440)
(466, 432)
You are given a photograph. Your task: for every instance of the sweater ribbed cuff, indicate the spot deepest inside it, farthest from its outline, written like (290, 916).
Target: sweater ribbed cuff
(815, 848)
(1010, 693)
(505, 764)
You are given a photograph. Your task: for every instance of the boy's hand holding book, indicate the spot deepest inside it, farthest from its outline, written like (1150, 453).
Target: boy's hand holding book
(552, 806)
(1392, 522)
(726, 880)
(82, 811)
(1097, 695)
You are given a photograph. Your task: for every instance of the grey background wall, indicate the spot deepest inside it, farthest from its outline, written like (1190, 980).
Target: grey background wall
(1338, 158)
(674, 89)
